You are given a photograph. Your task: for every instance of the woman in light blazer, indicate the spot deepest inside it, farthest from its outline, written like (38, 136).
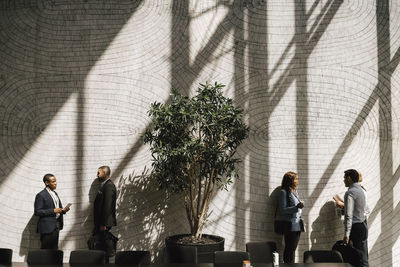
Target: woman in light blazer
(290, 208)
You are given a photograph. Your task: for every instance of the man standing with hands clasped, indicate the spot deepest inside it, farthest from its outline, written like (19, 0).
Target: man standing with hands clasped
(355, 228)
(50, 211)
(104, 210)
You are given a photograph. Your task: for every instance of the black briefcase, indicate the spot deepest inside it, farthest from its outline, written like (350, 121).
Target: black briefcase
(349, 253)
(112, 238)
(94, 242)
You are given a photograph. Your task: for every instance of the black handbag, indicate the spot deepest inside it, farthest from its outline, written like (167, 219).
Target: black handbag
(281, 227)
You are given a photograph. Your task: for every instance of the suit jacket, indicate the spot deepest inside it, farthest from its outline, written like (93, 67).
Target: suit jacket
(288, 211)
(104, 205)
(44, 208)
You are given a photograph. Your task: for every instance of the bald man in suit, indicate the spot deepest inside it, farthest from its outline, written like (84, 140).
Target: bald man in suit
(104, 210)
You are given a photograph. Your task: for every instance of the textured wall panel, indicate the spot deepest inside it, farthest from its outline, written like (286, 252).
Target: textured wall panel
(318, 80)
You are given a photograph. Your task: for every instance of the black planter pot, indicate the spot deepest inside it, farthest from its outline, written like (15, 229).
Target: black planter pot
(205, 252)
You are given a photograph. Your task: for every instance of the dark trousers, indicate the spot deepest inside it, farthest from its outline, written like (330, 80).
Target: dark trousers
(359, 237)
(106, 243)
(50, 241)
(291, 242)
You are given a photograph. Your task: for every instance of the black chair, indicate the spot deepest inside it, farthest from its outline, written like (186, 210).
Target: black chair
(311, 256)
(181, 254)
(132, 257)
(230, 257)
(87, 257)
(5, 256)
(45, 257)
(261, 251)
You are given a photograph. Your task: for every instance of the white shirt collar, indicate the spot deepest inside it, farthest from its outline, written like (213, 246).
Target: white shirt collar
(104, 182)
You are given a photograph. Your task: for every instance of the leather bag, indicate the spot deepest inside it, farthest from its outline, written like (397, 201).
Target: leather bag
(281, 227)
(349, 253)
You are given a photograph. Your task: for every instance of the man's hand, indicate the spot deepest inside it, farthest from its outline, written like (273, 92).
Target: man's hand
(66, 209)
(102, 228)
(300, 205)
(339, 204)
(346, 240)
(58, 210)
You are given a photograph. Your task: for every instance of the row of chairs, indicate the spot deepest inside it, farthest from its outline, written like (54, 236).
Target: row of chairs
(78, 257)
(261, 252)
(255, 252)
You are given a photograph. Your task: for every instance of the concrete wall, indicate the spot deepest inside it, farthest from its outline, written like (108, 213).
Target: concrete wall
(319, 82)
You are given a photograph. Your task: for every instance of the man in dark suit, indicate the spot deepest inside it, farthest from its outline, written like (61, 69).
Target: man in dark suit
(104, 210)
(50, 211)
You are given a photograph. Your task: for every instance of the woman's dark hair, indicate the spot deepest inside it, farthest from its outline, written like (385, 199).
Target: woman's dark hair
(288, 180)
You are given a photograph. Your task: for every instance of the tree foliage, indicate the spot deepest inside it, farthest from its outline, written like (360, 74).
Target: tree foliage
(193, 143)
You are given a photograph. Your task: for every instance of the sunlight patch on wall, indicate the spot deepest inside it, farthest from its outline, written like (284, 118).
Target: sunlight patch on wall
(396, 195)
(53, 151)
(247, 193)
(395, 97)
(396, 252)
(374, 230)
(141, 47)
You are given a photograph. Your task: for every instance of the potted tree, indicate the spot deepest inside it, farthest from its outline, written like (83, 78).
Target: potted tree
(193, 141)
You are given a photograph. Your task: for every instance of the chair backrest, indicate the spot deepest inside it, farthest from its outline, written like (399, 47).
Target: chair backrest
(181, 254)
(261, 251)
(132, 257)
(230, 257)
(45, 256)
(5, 256)
(87, 257)
(311, 256)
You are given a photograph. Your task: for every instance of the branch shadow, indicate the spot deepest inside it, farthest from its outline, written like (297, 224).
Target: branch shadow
(268, 97)
(143, 209)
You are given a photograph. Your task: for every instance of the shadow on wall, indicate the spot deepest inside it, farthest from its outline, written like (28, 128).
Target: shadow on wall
(327, 228)
(272, 205)
(30, 239)
(142, 210)
(42, 67)
(88, 223)
(86, 228)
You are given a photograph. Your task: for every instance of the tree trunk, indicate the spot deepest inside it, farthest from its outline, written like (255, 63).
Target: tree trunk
(197, 203)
